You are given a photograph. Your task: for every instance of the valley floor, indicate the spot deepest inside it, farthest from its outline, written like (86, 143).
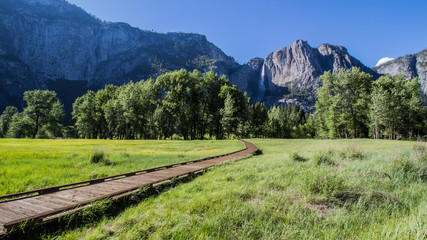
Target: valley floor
(27, 164)
(297, 189)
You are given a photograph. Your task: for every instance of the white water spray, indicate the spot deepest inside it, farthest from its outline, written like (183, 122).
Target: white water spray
(261, 84)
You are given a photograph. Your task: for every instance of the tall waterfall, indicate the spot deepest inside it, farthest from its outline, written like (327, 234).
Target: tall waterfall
(261, 85)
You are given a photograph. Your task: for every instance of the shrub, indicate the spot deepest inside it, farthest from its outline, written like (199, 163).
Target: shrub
(99, 157)
(296, 157)
(324, 158)
(324, 184)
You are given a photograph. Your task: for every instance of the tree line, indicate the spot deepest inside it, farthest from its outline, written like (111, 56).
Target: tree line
(178, 104)
(194, 105)
(351, 105)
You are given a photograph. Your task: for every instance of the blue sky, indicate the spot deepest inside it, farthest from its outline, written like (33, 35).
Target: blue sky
(370, 30)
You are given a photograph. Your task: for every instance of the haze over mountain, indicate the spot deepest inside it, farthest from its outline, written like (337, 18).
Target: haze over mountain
(51, 44)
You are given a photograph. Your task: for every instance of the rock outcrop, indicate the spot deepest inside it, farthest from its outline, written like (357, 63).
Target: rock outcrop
(411, 66)
(299, 66)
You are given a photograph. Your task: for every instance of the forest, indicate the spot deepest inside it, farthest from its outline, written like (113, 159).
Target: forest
(194, 105)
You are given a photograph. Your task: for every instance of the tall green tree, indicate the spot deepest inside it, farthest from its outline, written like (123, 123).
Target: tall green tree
(396, 109)
(343, 103)
(277, 122)
(234, 114)
(211, 103)
(21, 126)
(44, 110)
(85, 115)
(6, 119)
(181, 102)
(259, 120)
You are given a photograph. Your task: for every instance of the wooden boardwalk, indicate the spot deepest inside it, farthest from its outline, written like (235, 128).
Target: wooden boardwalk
(48, 203)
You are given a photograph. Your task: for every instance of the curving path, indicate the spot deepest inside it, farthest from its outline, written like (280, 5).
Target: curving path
(49, 203)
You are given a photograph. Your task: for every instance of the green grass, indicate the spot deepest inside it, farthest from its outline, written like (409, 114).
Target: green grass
(27, 164)
(371, 193)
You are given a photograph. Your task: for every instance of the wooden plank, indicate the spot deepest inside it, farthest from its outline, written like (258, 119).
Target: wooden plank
(77, 197)
(55, 200)
(27, 209)
(14, 213)
(39, 202)
(131, 182)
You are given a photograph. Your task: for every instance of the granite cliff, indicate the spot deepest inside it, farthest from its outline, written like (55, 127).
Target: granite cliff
(292, 74)
(411, 66)
(49, 43)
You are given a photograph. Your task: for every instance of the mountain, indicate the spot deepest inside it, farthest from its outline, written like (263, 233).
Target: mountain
(292, 74)
(53, 44)
(414, 65)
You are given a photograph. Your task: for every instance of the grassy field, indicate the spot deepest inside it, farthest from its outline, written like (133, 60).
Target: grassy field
(298, 189)
(27, 164)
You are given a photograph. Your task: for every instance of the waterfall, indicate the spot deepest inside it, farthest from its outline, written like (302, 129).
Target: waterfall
(261, 84)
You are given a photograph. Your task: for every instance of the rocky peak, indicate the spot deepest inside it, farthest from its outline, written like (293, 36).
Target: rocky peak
(255, 63)
(296, 69)
(328, 49)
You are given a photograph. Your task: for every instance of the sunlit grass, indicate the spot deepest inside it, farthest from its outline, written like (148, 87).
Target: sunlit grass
(27, 164)
(271, 196)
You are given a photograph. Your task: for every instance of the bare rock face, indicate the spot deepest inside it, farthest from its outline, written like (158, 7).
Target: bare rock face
(54, 40)
(410, 66)
(248, 79)
(299, 66)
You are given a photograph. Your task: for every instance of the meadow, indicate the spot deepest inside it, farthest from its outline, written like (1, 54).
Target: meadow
(297, 189)
(27, 164)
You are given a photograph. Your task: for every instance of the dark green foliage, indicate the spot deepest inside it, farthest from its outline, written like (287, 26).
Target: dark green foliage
(296, 157)
(99, 157)
(178, 104)
(6, 119)
(20, 127)
(259, 120)
(396, 109)
(351, 105)
(191, 105)
(343, 104)
(44, 110)
(41, 117)
(288, 121)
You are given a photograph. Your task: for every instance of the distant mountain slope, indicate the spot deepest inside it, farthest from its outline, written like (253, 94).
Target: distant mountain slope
(50, 40)
(410, 65)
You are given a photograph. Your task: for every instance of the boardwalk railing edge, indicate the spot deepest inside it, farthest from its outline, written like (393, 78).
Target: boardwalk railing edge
(41, 191)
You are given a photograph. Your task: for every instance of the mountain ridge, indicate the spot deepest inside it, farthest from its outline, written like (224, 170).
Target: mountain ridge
(52, 44)
(49, 40)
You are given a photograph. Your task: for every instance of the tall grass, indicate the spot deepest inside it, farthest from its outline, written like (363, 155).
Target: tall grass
(271, 196)
(27, 164)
